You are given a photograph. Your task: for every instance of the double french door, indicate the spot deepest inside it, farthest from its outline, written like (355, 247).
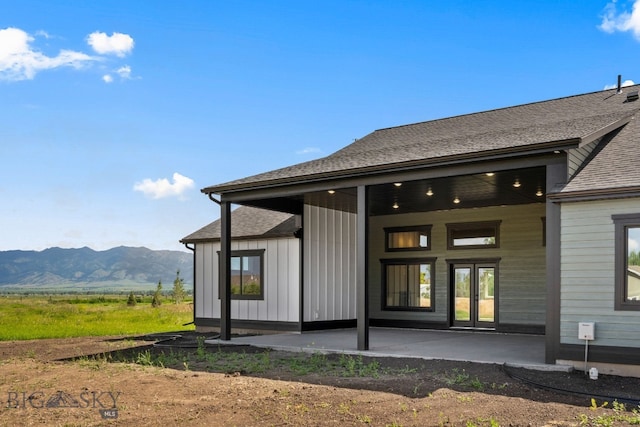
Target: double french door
(473, 294)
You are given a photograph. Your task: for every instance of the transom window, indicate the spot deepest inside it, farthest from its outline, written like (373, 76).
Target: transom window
(408, 284)
(411, 238)
(473, 235)
(627, 261)
(246, 274)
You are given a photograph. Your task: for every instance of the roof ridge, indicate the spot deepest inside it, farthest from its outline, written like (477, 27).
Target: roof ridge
(475, 134)
(503, 108)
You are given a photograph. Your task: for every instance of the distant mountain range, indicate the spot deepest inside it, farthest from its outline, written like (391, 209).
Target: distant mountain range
(118, 269)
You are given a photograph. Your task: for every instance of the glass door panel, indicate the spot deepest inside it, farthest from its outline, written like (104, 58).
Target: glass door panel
(463, 292)
(486, 290)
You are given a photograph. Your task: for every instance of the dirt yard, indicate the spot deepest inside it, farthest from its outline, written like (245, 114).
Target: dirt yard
(39, 385)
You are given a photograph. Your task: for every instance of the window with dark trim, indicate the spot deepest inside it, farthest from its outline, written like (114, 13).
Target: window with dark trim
(627, 261)
(410, 238)
(473, 235)
(247, 268)
(544, 230)
(408, 284)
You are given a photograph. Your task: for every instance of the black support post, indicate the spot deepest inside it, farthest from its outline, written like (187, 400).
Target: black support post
(556, 175)
(225, 271)
(362, 282)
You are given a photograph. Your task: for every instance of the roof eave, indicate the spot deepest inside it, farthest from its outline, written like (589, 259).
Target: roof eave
(497, 154)
(597, 194)
(237, 238)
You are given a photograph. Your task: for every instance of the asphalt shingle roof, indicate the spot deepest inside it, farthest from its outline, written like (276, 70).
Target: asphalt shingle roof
(616, 166)
(248, 222)
(512, 129)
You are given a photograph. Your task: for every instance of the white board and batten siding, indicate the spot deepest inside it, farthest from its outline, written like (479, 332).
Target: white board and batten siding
(329, 265)
(281, 301)
(587, 274)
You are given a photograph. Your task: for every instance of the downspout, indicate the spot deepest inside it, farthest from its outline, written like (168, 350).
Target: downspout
(193, 249)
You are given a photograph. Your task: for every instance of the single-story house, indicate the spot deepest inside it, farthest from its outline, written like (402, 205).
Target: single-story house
(517, 220)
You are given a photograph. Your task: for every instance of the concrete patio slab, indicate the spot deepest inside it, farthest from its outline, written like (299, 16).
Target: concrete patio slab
(473, 346)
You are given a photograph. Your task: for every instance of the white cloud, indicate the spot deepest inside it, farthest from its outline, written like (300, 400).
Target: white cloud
(43, 33)
(308, 150)
(161, 188)
(118, 44)
(124, 72)
(20, 61)
(613, 21)
(624, 84)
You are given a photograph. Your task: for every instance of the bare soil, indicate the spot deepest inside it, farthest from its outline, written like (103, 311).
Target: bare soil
(52, 382)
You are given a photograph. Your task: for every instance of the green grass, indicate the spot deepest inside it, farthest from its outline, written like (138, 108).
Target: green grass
(620, 416)
(462, 378)
(59, 316)
(209, 359)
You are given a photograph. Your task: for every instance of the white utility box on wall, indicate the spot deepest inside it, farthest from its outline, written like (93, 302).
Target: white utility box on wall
(586, 330)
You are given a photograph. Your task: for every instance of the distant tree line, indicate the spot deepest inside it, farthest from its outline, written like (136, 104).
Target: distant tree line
(143, 293)
(178, 293)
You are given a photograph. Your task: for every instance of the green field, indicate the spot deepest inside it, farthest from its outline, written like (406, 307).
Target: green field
(64, 316)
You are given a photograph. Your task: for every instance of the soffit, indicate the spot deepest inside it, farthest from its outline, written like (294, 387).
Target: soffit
(475, 190)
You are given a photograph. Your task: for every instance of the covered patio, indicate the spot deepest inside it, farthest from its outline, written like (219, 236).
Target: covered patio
(519, 350)
(344, 229)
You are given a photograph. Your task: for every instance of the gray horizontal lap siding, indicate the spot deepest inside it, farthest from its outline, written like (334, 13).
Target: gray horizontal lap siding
(587, 274)
(577, 156)
(522, 281)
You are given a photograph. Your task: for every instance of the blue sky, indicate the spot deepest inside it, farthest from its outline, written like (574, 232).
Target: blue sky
(115, 114)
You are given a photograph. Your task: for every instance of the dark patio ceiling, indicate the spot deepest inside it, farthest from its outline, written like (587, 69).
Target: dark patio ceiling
(472, 191)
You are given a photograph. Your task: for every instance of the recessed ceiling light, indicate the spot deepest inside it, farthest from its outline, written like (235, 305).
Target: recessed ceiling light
(395, 205)
(539, 193)
(456, 200)
(331, 191)
(429, 193)
(489, 173)
(517, 184)
(397, 184)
